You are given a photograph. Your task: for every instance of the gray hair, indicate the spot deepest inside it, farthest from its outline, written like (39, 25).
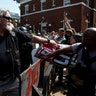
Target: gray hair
(3, 11)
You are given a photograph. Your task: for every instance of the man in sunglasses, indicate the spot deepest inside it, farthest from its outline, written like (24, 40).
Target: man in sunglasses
(9, 53)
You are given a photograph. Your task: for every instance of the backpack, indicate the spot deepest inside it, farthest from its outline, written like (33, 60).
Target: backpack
(12, 48)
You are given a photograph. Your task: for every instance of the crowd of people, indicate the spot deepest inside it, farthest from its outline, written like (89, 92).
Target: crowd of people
(15, 42)
(84, 74)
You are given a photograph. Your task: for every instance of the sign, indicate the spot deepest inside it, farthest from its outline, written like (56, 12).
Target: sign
(30, 77)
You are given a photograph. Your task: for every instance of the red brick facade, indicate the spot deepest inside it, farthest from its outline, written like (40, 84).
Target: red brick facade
(78, 12)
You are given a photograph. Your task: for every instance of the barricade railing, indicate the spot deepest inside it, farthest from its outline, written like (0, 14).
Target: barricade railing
(32, 77)
(28, 78)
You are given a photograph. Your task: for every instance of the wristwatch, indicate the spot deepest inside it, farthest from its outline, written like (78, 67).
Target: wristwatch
(48, 40)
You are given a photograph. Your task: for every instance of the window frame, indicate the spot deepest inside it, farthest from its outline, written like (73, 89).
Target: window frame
(66, 2)
(26, 8)
(43, 4)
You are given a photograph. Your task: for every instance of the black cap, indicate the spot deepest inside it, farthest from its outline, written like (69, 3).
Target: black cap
(22, 28)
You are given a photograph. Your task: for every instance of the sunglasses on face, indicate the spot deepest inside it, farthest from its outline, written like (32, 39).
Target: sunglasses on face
(8, 18)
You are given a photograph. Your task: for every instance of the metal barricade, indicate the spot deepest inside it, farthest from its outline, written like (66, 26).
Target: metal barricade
(35, 81)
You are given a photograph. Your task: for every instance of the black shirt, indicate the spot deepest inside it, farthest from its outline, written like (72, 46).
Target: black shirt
(5, 57)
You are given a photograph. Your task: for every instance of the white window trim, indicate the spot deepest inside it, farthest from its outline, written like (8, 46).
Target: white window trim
(34, 8)
(26, 7)
(53, 3)
(87, 2)
(66, 2)
(42, 1)
(24, 1)
(33, 28)
(87, 23)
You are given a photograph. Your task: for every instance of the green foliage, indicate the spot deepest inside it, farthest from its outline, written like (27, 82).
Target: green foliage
(18, 1)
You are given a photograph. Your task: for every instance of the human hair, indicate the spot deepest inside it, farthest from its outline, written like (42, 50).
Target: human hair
(89, 37)
(91, 31)
(3, 11)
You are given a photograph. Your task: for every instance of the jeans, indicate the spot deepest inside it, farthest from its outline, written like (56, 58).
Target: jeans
(10, 89)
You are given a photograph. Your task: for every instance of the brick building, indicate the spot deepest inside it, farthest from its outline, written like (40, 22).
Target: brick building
(49, 14)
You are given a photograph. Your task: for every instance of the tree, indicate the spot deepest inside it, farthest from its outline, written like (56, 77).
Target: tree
(18, 1)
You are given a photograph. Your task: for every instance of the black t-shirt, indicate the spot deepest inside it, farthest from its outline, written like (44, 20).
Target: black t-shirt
(5, 57)
(5, 61)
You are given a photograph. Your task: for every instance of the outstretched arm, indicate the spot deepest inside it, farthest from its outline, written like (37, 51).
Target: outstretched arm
(66, 49)
(38, 39)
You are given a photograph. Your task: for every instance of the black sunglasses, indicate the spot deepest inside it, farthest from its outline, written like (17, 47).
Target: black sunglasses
(8, 18)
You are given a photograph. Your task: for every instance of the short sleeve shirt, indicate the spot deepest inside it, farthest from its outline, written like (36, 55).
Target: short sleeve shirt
(5, 58)
(79, 58)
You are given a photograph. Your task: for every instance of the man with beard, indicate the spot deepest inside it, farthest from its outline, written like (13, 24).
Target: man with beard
(10, 41)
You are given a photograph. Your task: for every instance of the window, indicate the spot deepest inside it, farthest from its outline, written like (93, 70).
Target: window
(33, 28)
(87, 23)
(34, 9)
(53, 2)
(43, 24)
(43, 4)
(87, 2)
(66, 2)
(26, 9)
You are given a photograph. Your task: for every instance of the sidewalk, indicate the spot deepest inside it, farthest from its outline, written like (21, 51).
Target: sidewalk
(60, 90)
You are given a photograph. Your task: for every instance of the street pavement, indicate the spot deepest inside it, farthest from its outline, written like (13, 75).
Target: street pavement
(60, 90)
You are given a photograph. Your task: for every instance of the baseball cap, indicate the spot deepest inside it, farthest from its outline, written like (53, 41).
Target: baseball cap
(69, 30)
(61, 29)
